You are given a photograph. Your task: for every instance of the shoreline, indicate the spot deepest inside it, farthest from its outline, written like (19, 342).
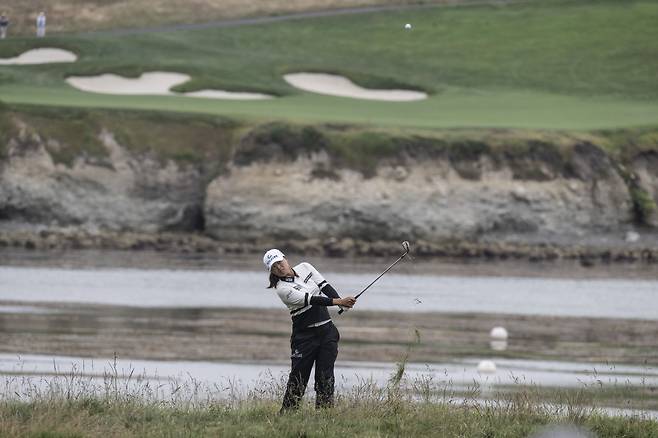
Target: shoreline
(459, 250)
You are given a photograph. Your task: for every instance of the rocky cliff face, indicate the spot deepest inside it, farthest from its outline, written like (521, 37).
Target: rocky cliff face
(645, 169)
(124, 192)
(268, 191)
(426, 199)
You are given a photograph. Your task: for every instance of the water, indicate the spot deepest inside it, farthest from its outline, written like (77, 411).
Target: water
(235, 285)
(457, 375)
(154, 280)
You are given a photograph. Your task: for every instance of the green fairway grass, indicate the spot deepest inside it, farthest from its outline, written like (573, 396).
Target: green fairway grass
(554, 65)
(494, 109)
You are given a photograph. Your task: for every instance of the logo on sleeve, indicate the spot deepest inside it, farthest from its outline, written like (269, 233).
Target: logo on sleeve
(296, 354)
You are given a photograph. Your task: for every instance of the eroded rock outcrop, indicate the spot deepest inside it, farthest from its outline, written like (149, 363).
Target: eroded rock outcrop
(276, 183)
(121, 192)
(645, 169)
(420, 199)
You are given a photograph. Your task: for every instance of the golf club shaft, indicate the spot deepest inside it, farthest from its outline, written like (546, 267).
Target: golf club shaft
(380, 276)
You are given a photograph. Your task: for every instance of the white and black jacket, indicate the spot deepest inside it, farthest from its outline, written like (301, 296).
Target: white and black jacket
(307, 296)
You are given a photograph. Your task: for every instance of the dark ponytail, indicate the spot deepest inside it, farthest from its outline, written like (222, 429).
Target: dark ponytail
(274, 280)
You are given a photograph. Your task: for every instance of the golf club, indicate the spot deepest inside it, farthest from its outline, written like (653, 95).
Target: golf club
(405, 245)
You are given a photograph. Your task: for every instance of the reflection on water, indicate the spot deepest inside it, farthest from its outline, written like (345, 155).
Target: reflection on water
(25, 309)
(615, 298)
(498, 345)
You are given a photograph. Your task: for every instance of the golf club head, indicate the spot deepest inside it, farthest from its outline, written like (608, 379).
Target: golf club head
(405, 245)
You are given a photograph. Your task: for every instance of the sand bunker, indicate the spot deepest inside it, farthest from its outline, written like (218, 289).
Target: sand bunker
(334, 85)
(40, 56)
(152, 83)
(148, 83)
(219, 94)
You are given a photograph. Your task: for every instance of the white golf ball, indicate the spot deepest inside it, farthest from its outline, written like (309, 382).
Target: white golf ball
(407, 26)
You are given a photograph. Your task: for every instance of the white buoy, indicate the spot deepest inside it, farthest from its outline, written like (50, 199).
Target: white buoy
(486, 367)
(498, 333)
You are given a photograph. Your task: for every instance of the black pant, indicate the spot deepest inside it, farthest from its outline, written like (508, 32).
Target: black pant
(317, 345)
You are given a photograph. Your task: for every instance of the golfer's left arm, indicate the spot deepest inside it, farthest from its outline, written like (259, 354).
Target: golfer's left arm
(324, 286)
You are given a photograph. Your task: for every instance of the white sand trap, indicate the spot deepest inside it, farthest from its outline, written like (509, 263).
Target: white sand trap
(156, 82)
(219, 94)
(335, 85)
(41, 56)
(152, 83)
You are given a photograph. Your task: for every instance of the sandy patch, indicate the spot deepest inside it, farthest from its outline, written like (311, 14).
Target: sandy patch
(335, 85)
(158, 83)
(219, 94)
(40, 56)
(152, 83)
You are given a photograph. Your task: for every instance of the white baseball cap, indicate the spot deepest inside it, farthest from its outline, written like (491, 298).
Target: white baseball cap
(271, 257)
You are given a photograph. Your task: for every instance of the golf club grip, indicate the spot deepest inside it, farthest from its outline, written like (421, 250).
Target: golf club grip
(340, 312)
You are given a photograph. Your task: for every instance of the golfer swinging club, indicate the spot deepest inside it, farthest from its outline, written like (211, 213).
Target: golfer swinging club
(314, 337)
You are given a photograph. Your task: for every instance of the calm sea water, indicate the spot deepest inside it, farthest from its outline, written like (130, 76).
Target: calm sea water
(147, 280)
(156, 280)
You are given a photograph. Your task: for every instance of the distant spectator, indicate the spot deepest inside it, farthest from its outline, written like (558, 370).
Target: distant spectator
(4, 24)
(41, 25)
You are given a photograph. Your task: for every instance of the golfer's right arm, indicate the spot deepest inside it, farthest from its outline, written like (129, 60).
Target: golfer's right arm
(344, 302)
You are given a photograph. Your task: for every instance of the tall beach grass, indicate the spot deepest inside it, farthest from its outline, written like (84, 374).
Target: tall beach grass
(127, 403)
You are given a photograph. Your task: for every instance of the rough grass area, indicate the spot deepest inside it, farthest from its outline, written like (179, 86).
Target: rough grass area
(7, 130)
(626, 143)
(214, 141)
(72, 134)
(553, 64)
(530, 155)
(102, 418)
(73, 405)
(84, 15)
(641, 398)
